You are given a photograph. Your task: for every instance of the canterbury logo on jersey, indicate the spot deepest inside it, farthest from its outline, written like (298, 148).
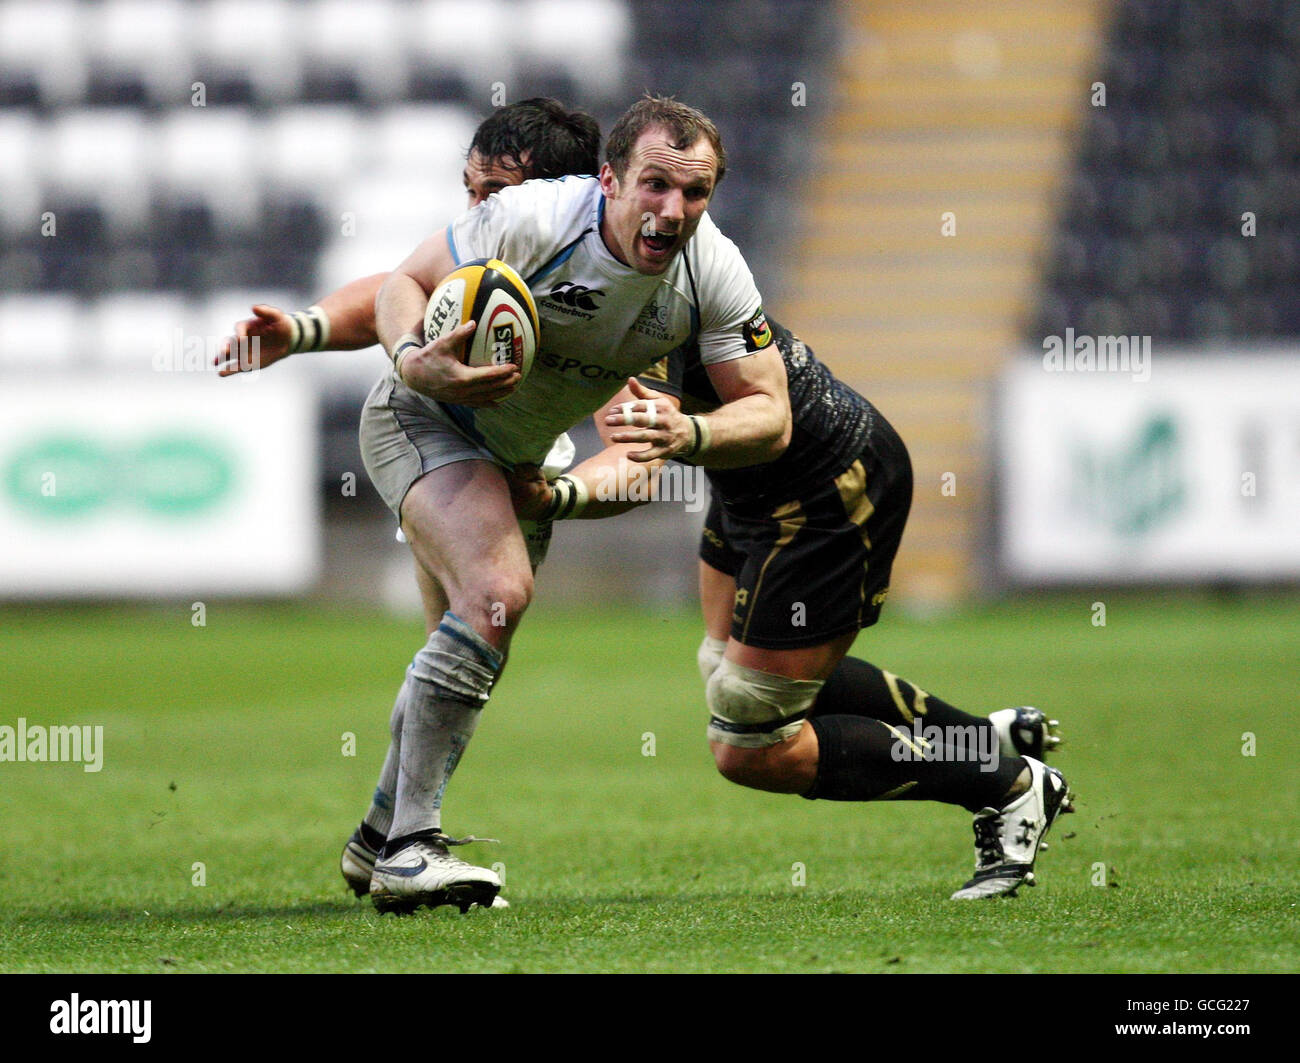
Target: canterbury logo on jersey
(575, 299)
(586, 370)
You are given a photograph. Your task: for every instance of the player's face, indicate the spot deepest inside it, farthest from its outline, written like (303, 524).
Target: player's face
(655, 208)
(484, 175)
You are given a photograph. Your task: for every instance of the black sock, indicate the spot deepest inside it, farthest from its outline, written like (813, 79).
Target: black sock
(859, 688)
(861, 759)
(372, 837)
(395, 845)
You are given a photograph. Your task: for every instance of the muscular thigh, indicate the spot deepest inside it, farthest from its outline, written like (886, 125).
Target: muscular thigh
(461, 526)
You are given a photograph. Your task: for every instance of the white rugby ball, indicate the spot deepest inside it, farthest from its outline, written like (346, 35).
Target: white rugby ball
(491, 293)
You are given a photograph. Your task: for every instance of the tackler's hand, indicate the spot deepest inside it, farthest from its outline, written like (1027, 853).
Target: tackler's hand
(654, 419)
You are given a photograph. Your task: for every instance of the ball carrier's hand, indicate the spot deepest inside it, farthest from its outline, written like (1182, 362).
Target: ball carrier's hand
(438, 370)
(653, 419)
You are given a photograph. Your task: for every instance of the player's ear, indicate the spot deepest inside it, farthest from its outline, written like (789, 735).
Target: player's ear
(608, 182)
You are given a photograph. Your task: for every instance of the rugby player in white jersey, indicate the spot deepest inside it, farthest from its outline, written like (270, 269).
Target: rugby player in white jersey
(535, 138)
(602, 256)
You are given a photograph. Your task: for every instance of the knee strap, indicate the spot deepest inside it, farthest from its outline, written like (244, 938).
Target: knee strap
(751, 709)
(709, 656)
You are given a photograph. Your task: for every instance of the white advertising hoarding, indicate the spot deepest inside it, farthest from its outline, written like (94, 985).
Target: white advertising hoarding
(165, 484)
(1192, 474)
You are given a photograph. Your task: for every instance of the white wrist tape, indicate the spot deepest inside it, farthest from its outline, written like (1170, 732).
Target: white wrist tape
(703, 437)
(406, 343)
(309, 330)
(569, 498)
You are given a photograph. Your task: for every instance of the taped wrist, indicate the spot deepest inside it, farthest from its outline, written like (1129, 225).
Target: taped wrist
(309, 330)
(406, 343)
(568, 498)
(703, 437)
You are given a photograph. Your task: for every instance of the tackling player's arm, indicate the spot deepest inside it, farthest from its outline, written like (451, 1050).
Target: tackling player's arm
(436, 369)
(606, 484)
(343, 321)
(642, 428)
(751, 427)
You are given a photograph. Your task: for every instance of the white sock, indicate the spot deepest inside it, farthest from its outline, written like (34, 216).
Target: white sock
(449, 682)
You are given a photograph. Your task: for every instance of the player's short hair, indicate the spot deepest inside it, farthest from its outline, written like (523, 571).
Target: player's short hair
(540, 138)
(684, 125)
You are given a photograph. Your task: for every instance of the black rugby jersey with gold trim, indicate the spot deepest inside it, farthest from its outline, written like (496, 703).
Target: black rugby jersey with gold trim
(831, 422)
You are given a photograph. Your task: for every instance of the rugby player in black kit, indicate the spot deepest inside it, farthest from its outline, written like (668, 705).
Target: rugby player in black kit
(795, 559)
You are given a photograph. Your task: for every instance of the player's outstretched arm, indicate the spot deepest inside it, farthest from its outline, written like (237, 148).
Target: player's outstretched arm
(436, 369)
(343, 321)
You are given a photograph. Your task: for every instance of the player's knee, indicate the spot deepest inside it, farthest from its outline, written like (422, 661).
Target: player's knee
(501, 601)
(750, 712)
(782, 768)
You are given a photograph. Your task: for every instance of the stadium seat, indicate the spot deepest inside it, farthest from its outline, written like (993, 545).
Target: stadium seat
(248, 42)
(131, 329)
(20, 173)
(40, 331)
(468, 40)
(584, 38)
(361, 44)
(420, 139)
(1200, 132)
(101, 153)
(206, 152)
(310, 148)
(19, 88)
(44, 41)
(142, 41)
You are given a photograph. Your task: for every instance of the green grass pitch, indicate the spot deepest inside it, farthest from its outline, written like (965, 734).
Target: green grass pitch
(209, 841)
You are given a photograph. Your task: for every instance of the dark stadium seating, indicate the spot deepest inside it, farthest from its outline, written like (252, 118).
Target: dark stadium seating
(1201, 127)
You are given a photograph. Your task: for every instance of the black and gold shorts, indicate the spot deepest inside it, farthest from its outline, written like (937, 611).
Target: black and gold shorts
(817, 566)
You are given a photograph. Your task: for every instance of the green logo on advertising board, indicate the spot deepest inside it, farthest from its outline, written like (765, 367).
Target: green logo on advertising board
(66, 476)
(1137, 487)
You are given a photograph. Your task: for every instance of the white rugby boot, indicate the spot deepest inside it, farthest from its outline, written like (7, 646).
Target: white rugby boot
(358, 866)
(424, 874)
(1007, 840)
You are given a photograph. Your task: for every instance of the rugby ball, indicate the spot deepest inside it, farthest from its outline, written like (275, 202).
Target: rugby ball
(491, 293)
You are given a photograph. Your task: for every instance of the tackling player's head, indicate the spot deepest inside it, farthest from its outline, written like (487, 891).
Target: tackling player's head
(528, 139)
(662, 162)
